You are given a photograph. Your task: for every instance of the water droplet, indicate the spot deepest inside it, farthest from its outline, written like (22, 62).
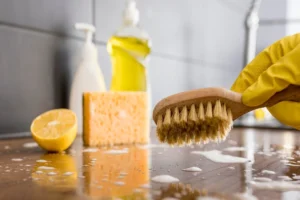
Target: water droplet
(6, 147)
(30, 145)
(41, 161)
(46, 168)
(52, 173)
(119, 183)
(68, 173)
(16, 159)
(165, 179)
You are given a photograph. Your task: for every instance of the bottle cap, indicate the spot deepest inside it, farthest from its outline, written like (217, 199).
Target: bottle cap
(88, 29)
(89, 51)
(131, 13)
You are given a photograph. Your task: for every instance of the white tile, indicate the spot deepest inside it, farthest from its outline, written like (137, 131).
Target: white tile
(273, 9)
(35, 74)
(293, 7)
(269, 34)
(55, 15)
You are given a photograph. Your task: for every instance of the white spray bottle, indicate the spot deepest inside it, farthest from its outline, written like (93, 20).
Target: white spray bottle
(88, 77)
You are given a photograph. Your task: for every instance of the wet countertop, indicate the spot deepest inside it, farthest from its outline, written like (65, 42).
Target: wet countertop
(268, 167)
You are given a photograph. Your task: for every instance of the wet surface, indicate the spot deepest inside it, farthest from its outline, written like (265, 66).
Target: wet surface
(271, 170)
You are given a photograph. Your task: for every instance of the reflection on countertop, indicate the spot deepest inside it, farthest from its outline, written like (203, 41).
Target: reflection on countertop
(272, 169)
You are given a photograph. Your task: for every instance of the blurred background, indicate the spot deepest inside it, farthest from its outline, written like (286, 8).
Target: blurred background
(196, 43)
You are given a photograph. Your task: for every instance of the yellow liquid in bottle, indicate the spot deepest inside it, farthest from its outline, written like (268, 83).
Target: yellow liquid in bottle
(128, 56)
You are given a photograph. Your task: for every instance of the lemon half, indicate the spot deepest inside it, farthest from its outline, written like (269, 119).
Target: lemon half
(55, 130)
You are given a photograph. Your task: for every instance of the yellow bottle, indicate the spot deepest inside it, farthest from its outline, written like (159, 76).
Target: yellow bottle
(129, 49)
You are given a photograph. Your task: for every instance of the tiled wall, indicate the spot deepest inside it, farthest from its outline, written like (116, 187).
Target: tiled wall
(196, 43)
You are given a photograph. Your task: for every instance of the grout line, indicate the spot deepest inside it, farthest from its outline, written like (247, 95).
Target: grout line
(41, 31)
(101, 43)
(4, 136)
(193, 61)
(278, 21)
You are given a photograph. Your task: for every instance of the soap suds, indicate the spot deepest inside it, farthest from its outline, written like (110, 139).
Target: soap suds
(52, 173)
(276, 185)
(293, 165)
(46, 168)
(68, 173)
(165, 179)
(268, 172)
(41, 161)
(91, 150)
(39, 172)
(262, 179)
(30, 145)
(284, 161)
(296, 177)
(117, 151)
(234, 149)
(119, 183)
(192, 169)
(285, 178)
(16, 159)
(217, 156)
(245, 196)
(290, 158)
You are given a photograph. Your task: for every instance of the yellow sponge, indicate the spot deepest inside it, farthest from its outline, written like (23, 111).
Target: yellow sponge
(112, 118)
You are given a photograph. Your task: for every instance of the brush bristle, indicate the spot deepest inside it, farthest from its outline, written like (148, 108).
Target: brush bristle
(195, 124)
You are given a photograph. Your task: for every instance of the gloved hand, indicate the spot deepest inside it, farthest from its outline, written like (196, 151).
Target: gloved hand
(272, 70)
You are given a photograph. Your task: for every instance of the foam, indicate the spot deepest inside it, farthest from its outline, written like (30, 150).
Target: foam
(217, 156)
(192, 169)
(165, 179)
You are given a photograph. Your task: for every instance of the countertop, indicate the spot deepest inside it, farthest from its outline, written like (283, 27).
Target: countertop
(126, 172)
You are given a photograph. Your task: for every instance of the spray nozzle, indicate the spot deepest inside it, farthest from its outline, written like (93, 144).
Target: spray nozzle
(131, 13)
(87, 28)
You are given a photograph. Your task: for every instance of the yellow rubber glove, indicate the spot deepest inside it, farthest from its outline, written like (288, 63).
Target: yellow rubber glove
(272, 70)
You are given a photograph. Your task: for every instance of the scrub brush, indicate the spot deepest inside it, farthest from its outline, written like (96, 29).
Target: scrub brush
(207, 114)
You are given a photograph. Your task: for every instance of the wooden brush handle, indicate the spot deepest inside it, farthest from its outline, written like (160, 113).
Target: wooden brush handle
(232, 100)
(291, 93)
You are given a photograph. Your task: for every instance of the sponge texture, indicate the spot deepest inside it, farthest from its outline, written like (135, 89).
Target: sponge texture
(113, 118)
